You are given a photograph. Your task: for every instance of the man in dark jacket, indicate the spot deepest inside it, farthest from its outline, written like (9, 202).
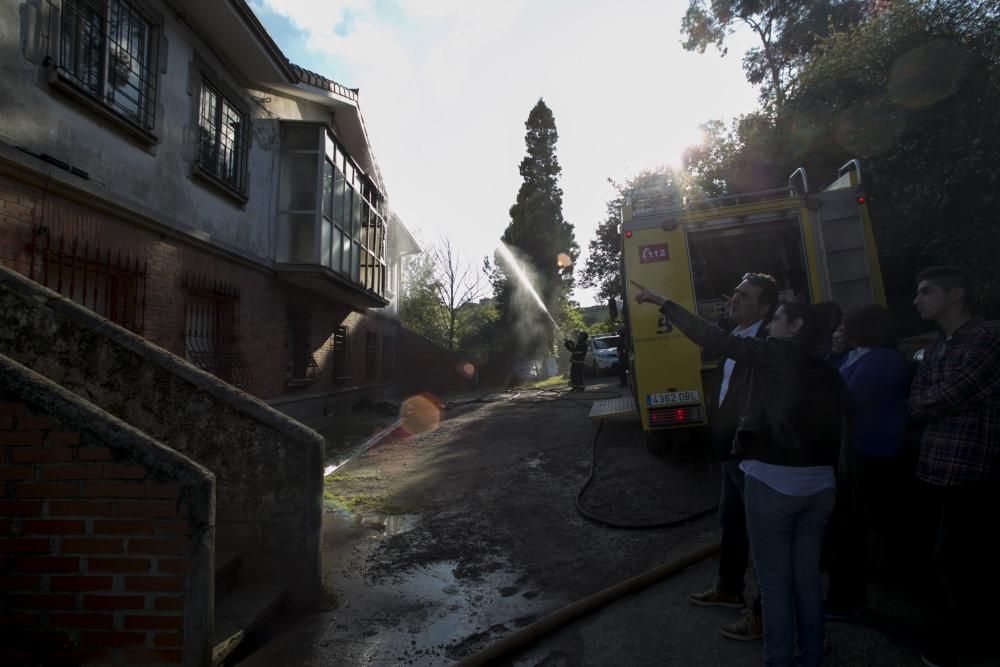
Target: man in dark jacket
(579, 352)
(751, 307)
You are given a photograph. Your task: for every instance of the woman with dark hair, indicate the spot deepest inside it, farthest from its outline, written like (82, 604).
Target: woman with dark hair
(789, 436)
(877, 387)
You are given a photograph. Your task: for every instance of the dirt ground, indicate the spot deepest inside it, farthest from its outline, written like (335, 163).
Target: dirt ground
(439, 544)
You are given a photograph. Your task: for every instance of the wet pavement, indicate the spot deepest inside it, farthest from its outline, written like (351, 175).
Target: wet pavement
(470, 531)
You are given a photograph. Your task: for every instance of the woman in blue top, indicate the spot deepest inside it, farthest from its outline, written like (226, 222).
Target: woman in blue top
(877, 387)
(789, 436)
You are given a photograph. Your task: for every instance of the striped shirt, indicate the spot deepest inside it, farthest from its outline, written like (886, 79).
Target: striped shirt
(957, 392)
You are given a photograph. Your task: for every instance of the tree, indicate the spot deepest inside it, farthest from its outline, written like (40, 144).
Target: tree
(787, 30)
(457, 285)
(439, 294)
(541, 238)
(420, 308)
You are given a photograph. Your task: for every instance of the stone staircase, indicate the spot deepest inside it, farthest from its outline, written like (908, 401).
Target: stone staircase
(266, 510)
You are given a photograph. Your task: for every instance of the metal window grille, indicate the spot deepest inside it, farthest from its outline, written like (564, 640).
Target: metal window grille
(300, 362)
(108, 49)
(108, 282)
(211, 330)
(371, 355)
(223, 141)
(340, 352)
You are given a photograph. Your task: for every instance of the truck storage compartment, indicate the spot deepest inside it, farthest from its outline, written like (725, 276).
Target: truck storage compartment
(722, 253)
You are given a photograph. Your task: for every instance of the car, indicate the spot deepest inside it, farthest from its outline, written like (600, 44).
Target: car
(602, 354)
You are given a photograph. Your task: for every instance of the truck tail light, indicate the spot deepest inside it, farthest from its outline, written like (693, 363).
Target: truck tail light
(660, 417)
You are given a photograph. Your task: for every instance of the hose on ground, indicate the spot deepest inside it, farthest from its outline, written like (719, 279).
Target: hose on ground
(531, 633)
(619, 524)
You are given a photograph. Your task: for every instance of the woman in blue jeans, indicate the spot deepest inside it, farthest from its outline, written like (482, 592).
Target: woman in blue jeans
(789, 437)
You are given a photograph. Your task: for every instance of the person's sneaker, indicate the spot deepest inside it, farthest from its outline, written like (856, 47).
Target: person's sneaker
(713, 597)
(748, 627)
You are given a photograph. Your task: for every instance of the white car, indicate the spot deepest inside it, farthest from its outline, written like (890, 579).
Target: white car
(602, 354)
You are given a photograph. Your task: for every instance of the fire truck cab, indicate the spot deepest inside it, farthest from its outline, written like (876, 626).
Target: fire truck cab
(818, 246)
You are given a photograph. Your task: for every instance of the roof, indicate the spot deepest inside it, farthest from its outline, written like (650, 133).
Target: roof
(320, 81)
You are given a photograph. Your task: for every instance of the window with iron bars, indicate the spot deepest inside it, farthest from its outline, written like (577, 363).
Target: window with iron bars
(340, 353)
(371, 355)
(108, 51)
(110, 283)
(222, 143)
(301, 366)
(211, 330)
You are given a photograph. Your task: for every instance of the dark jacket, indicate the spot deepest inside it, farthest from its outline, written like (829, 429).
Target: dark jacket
(724, 417)
(792, 410)
(578, 349)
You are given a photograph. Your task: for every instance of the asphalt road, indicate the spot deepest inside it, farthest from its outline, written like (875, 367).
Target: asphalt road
(461, 535)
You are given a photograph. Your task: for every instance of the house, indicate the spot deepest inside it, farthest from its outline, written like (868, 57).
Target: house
(195, 243)
(163, 164)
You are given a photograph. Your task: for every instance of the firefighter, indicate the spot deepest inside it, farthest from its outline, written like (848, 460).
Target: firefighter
(579, 351)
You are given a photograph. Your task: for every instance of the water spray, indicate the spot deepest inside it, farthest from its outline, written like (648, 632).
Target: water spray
(522, 277)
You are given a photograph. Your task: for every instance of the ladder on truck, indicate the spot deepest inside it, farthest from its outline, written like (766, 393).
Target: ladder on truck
(844, 242)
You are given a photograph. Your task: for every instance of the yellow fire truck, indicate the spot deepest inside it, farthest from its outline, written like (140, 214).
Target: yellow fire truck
(818, 246)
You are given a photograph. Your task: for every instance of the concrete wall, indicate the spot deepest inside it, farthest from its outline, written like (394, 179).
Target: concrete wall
(105, 536)
(268, 468)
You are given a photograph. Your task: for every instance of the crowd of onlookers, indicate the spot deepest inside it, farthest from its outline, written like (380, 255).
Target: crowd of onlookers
(825, 439)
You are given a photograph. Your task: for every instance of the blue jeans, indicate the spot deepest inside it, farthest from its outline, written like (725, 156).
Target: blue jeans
(786, 537)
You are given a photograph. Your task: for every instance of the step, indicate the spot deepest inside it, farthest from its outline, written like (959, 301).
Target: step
(241, 611)
(227, 571)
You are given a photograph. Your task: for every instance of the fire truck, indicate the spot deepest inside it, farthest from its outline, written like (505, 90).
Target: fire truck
(818, 246)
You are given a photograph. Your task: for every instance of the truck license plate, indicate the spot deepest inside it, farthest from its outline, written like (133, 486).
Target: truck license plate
(671, 398)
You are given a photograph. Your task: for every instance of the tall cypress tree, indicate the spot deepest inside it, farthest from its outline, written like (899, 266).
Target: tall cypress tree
(537, 234)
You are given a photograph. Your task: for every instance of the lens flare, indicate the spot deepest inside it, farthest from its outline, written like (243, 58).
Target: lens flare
(467, 370)
(563, 260)
(419, 414)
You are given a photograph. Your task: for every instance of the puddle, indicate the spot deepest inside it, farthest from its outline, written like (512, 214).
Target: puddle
(388, 524)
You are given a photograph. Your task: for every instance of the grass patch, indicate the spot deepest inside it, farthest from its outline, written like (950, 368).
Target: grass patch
(360, 503)
(553, 381)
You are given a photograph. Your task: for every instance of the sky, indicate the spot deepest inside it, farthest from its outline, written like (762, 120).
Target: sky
(446, 86)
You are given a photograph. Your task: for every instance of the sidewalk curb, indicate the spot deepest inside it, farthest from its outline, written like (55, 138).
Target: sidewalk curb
(363, 447)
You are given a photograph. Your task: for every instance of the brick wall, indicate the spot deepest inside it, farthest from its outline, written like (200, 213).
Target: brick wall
(263, 304)
(425, 367)
(105, 536)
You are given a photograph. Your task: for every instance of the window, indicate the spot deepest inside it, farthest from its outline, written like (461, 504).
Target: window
(108, 52)
(388, 356)
(329, 212)
(223, 145)
(340, 353)
(109, 283)
(371, 359)
(301, 366)
(211, 331)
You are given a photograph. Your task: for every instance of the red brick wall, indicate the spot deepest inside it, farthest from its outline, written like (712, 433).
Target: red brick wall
(93, 550)
(263, 303)
(425, 367)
